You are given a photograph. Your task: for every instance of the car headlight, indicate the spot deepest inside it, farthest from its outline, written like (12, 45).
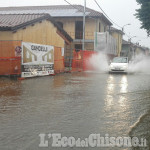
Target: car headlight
(125, 66)
(111, 66)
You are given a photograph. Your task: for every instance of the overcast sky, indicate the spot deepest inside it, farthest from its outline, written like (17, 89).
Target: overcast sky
(120, 11)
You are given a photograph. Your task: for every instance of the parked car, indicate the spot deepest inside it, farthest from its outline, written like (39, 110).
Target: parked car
(119, 64)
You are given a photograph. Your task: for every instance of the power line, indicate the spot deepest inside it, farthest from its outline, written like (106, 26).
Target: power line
(73, 6)
(98, 6)
(110, 18)
(81, 10)
(127, 35)
(106, 14)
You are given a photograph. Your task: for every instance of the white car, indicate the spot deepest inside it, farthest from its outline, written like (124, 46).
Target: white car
(119, 64)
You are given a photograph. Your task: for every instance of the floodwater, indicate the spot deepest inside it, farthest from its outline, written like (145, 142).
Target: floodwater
(77, 105)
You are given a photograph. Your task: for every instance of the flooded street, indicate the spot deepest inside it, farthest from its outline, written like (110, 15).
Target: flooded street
(77, 105)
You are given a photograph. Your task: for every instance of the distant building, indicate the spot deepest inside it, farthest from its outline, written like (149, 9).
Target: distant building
(141, 50)
(130, 49)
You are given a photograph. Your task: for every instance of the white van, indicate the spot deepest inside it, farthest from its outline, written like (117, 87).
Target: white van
(119, 64)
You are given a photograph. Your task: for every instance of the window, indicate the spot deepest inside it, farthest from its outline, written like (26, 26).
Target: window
(99, 27)
(79, 29)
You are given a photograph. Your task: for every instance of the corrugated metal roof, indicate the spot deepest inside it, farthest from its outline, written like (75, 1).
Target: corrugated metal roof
(54, 11)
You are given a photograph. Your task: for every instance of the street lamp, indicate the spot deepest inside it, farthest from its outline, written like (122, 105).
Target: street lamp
(124, 26)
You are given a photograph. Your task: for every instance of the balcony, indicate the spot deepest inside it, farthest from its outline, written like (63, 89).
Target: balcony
(78, 36)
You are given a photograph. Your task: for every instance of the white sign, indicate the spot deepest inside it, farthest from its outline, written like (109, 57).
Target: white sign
(37, 60)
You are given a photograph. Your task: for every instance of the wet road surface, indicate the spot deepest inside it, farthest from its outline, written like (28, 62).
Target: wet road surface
(77, 105)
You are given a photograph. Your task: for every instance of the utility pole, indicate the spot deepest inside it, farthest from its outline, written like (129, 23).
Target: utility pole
(83, 41)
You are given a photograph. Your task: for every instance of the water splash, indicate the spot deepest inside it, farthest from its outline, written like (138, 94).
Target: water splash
(99, 62)
(139, 64)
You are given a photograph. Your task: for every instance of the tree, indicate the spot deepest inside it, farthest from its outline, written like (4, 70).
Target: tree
(143, 14)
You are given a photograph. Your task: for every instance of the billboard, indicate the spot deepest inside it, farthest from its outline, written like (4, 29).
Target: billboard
(37, 60)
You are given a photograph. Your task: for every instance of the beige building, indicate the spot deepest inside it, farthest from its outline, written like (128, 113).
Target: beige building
(118, 35)
(70, 18)
(131, 50)
(34, 28)
(141, 50)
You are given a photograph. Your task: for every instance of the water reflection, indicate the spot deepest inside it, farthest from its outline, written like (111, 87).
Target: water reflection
(109, 91)
(117, 104)
(122, 101)
(109, 101)
(123, 89)
(58, 81)
(116, 84)
(10, 92)
(110, 85)
(124, 85)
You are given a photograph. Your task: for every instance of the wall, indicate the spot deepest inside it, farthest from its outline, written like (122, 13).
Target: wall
(9, 63)
(103, 26)
(6, 35)
(90, 28)
(68, 25)
(58, 60)
(118, 37)
(92, 25)
(7, 48)
(41, 33)
(139, 51)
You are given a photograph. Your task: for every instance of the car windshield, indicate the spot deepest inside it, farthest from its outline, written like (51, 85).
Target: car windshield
(120, 60)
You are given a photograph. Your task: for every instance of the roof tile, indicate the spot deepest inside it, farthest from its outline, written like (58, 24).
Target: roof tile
(7, 20)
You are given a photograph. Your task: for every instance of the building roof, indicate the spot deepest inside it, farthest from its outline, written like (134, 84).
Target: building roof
(112, 29)
(124, 42)
(9, 22)
(13, 22)
(55, 11)
(142, 47)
